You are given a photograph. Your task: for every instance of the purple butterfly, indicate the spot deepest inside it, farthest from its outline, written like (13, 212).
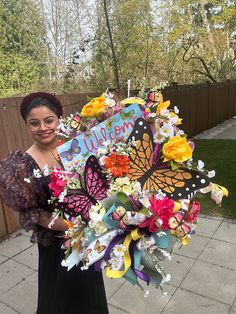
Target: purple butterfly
(74, 150)
(94, 188)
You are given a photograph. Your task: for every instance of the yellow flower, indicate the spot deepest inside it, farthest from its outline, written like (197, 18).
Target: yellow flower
(132, 100)
(179, 121)
(96, 106)
(177, 149)
(162, 105)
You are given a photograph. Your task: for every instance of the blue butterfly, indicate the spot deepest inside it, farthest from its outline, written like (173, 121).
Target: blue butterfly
(74, 150)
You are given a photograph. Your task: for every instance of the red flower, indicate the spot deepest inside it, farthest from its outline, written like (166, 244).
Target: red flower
(117, 165)
(57, 184)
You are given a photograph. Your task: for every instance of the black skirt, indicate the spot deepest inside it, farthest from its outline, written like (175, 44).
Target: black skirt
(68, 292)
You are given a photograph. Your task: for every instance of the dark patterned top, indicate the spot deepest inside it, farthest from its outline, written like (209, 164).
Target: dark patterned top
(29, 199)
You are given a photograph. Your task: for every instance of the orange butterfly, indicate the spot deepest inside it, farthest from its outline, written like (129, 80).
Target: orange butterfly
(176, 184)
(98, 247)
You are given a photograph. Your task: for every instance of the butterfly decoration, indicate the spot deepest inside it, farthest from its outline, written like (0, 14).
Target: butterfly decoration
(127, 115)
(179, 184)
(181, 227)
(85, 255)
(152, 98)
(93, 188)
(74, 150)
(109, 122)
(75, 123)
(182, 221)
(121, 215)
(98, 247)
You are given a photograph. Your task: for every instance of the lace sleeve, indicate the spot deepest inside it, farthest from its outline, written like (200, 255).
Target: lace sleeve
(27, 198)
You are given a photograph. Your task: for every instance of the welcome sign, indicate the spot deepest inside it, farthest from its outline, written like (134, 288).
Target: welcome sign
(113, 129)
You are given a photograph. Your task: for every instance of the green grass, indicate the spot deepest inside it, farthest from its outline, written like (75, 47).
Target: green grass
(218, 155)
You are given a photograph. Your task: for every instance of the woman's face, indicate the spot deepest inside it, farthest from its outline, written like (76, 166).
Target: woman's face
(42, 124)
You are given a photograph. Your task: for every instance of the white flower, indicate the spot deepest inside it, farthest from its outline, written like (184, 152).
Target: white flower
(161, 233)
(102, 159)
(173, 120)
(119, 250)
(200, 165)
(110, 102)
(179, 133)
(107, 143)
(37, 173)
(189, 162)
(166, 278)
(116, 263)
(96, 214)
(167, 130)
(152, 115)
(158, 137)
(61, 196)
(145, 201)
(176, 110)
(211, 174)
(27, 180)
(102, 151)
(164, 112)
(146, 294)
(160, 222)
(99, 227)
(45, 170)
(185, 204)
(160, 195)
(126, 186)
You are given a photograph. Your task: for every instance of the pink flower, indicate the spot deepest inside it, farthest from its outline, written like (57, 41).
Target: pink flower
(150, 223)
(162, 211)
(57, 184)
(192, 214)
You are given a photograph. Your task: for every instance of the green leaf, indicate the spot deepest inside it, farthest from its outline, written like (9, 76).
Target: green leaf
(145, 212)
(174, 165)
(124, 199)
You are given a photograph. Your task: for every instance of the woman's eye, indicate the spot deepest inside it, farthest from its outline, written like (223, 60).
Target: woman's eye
(34, 123)
(49, 121)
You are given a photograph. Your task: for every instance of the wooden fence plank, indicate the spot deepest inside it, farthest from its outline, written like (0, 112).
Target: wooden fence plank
(3, 227)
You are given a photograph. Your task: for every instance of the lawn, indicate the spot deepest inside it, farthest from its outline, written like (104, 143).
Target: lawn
(219, 155)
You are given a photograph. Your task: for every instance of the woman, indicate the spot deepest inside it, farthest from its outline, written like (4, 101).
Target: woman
(59, 291)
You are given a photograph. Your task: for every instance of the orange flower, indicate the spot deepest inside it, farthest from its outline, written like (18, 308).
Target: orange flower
(117, 165)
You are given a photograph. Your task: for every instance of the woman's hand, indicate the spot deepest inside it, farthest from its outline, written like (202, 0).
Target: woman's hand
(58, 224)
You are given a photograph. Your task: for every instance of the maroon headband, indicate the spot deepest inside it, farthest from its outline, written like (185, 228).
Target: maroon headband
(50, 97)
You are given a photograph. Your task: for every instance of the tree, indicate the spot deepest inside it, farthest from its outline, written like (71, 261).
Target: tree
(203, 32)
(130, 27)
(22, 46)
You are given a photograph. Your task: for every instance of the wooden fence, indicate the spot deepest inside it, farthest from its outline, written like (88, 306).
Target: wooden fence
(201, 107)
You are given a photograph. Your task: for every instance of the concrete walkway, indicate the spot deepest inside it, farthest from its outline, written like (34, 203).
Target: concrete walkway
(203, 273)
(203, 276)
(225, 130)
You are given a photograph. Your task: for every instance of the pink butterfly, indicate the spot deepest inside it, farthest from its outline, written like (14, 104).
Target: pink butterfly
(93, 189)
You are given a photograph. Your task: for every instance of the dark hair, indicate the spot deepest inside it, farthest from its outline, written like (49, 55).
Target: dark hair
(34, 100)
